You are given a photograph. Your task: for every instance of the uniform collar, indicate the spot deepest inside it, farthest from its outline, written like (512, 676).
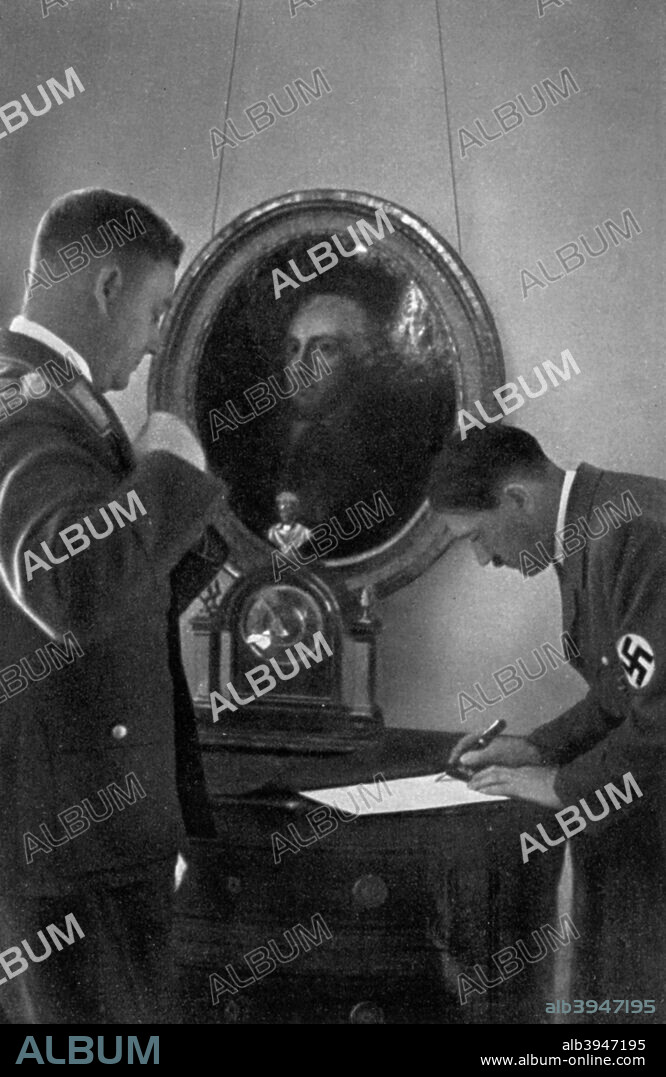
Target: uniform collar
(569, 477)
(80, 394)
(583, 492)
(572, 570)
(21, 324)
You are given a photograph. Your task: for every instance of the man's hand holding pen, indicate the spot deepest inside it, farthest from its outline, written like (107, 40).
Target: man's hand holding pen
(511, 751)
(507, 766)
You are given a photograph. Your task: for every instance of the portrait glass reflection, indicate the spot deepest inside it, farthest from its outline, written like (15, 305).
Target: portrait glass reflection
(359, 364)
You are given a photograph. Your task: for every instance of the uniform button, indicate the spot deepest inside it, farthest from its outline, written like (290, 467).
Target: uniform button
(237, 1012)
(118, 732)
(366, 1013)
(370, 891)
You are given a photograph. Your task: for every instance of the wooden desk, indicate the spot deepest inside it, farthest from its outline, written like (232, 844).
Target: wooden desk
(410, 900)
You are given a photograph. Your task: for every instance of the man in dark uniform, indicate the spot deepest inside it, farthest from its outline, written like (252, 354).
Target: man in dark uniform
(605, 533)
(91, 528)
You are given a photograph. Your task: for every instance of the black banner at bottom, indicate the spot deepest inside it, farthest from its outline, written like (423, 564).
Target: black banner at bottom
(491, 1048)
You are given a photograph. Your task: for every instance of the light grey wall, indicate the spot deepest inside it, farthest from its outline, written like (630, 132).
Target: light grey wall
(156, 73)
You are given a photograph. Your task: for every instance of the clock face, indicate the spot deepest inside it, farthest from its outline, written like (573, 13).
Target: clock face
(276, 617)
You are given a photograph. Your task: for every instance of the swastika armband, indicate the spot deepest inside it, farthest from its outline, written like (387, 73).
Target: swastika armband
(637, 658)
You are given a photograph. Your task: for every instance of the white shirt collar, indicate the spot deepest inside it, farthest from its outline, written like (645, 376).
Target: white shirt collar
(569, 477)
(21, 324)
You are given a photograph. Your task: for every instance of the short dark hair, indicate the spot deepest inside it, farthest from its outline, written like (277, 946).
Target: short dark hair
(468, 474)
(82, 213)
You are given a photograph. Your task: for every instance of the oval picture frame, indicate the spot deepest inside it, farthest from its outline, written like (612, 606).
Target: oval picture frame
(441, 327)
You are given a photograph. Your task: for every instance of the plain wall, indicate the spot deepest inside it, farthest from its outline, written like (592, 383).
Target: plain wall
(156, 76)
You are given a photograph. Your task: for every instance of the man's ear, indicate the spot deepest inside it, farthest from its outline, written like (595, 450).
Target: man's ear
(107, 288)
(519, 498)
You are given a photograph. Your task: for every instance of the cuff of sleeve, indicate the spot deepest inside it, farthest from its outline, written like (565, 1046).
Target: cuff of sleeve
(594, 770)
(548, 752)
(188, 458)
(566, 786)
(185, 496)
(576, 781)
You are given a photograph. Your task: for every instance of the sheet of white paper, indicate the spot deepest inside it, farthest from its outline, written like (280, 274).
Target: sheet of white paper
(400, 794)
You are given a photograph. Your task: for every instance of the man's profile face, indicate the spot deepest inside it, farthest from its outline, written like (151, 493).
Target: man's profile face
(135, 320)
(497, 535)
(340, 328)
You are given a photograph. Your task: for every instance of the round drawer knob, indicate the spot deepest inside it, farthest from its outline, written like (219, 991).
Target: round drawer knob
(118, 732)
(370, 891)
(366, 1013)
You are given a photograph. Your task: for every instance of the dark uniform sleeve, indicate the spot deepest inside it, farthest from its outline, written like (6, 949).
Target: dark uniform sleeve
(198, 568)
(573, 732)
(620, 727)
(50, 481)
(194, 572)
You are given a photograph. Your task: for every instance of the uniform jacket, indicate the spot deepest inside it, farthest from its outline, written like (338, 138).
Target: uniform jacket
(614, 608)
(82, 722)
